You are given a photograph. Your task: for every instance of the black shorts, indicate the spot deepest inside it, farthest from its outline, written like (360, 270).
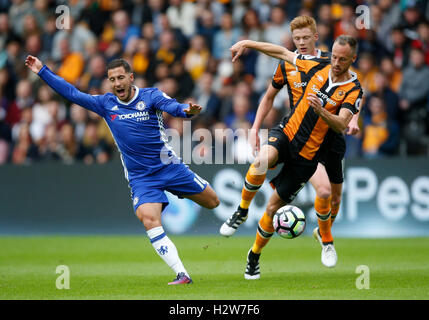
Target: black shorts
(333, 159)
(296, 170)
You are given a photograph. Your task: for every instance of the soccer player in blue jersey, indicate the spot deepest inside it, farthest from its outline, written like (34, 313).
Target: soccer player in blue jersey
(134, 116)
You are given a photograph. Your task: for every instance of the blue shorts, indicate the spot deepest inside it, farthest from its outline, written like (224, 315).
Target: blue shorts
(175, 178)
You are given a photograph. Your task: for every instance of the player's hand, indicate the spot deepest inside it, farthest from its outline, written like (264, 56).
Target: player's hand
(34, 64)
(192, 109)
(353, 128)
(315, 102)
(237, 50)
(254, 141)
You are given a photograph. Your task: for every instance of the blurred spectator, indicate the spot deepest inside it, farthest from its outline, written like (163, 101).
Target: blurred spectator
(41, 11)
(347, 20)
(30, 25)
(169, 50)
(49, 145)
(78, 35)
(324, 14)
(241, 112)
(181, 15)
(24, 99)
(49, 29)
(277, 27)
(24, 150)
(144, 61)
(162, 72)
(197, 57)
(414, 90)
(122, 28)
(207, 98)
(169, 86)
(6, 31)
(157, 9)
(183, 79)
(148, 33)
(410, 19)
(391, 15)
(422, 41)
(92, 149)
(381, 134)
(393, 74)
(390, 98)
(41, 115)
(33, 46)
(71, 64)
(94, 76)
(225, 38)
(79, 117)
(366, 72)
(17, 12)
(251, 26)
(68, 146)
(325, 40)
(400, 47)
(206, 27)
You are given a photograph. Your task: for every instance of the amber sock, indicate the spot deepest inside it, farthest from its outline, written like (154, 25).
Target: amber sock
(252, 184)
(323, 212)
(264, 233)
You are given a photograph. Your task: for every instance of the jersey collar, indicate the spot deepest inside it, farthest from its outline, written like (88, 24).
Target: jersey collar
(334, 84)
(318, 55)
(134, 98)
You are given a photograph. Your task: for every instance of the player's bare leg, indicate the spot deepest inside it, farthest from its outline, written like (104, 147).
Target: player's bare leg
(263, 235)
(207, 198)
(337, 190)
(150, 215)
(322, 204)
(255, 177)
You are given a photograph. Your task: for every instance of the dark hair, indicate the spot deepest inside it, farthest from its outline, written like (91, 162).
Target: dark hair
(351, 41)
(119, 63)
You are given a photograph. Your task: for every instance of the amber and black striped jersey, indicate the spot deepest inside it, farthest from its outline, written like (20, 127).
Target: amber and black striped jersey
(304, 128)
(295, 80)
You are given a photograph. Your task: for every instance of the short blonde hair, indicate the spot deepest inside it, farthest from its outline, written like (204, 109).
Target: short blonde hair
(302, 22)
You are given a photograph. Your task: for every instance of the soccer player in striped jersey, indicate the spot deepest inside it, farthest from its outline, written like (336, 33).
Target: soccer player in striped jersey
(328, 177)
(330, 99)
(134, 116)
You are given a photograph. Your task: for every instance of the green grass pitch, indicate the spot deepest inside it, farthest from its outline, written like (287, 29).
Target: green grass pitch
(127, 267)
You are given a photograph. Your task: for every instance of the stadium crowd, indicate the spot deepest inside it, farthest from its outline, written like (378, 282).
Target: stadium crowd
(182, 47)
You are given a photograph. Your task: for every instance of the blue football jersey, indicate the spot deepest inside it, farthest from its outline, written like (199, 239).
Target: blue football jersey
(137, 125)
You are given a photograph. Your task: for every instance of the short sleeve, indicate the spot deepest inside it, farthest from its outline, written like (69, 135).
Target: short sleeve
(353, 101)
(279, 76)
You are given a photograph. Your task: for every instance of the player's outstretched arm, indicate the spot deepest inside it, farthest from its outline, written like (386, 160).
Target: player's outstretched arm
(269, 49)
(62, 87)
(338, 122)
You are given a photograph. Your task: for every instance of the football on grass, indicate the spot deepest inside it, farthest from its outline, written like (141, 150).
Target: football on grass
(289, 222)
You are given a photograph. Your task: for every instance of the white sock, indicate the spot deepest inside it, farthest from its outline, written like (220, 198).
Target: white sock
(166, 249)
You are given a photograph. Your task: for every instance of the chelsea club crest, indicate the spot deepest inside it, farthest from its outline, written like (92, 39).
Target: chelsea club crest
(140, 106)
